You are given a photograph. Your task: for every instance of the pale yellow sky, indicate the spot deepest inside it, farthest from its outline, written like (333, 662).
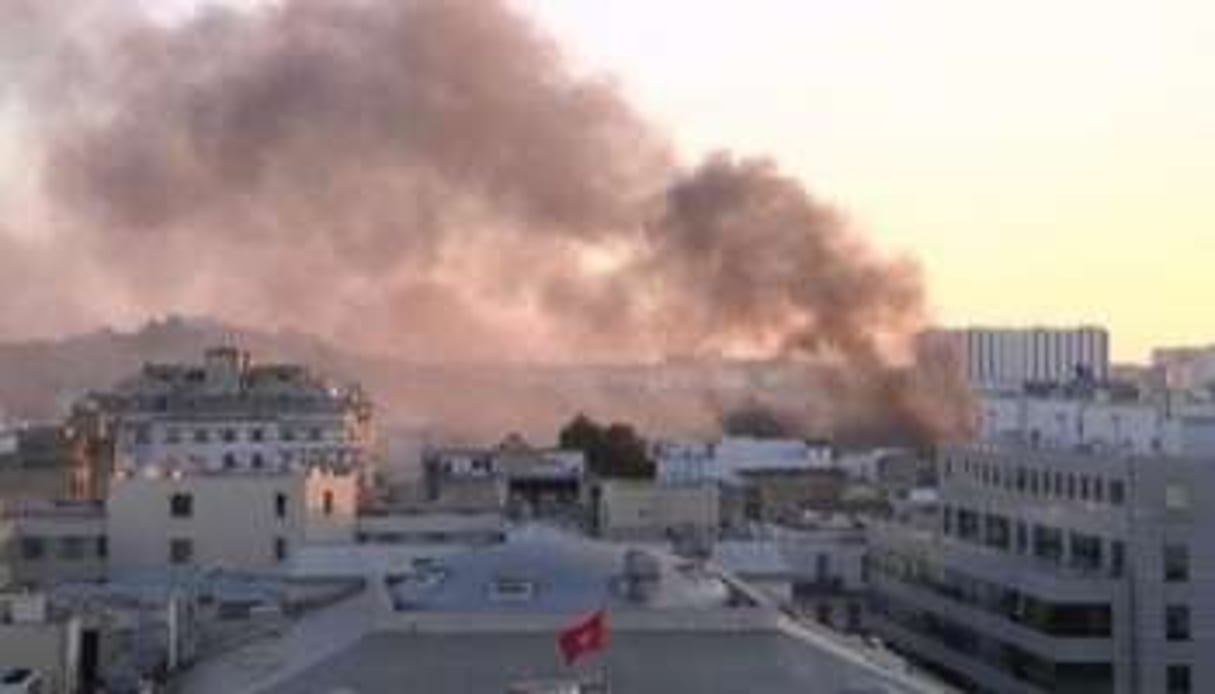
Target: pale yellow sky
(1045, 161)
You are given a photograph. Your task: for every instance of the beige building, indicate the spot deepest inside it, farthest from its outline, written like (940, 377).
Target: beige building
(645, 509)
(243, 521)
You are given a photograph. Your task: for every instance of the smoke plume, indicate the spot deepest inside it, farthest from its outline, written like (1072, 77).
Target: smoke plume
(429, 179)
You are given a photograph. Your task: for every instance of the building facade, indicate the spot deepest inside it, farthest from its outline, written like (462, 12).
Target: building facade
(242, 521)
(1060, 564)
(231, 414)
(1008, 358)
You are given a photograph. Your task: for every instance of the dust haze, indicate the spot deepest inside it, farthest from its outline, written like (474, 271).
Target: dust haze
(430, 180)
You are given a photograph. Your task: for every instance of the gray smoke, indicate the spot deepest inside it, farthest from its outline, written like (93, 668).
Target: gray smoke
(429, 178)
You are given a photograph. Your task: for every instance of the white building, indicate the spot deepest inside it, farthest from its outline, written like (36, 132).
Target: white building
(242, 521)
(1069, 553)
(1098, 423)
(684, 462)
(1186, 368)
(1008, 358)
(230, 414)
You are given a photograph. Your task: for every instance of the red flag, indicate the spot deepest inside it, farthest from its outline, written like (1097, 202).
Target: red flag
(586, 636)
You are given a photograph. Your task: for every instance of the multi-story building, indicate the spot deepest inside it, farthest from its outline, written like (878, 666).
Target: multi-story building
(46, 543)
(1008, 358)
(231, 414)
(251, 521)
(1062, 562)
(544, 480)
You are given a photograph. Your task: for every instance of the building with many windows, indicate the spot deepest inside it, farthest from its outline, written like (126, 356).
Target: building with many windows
(1008, 358)
(229, 413)
(1059, 565)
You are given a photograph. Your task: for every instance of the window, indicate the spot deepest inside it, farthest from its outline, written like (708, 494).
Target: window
(181, 505)
(286, 434)
(1177, 622)
(229, 460)
(1117, 492)
(822, 612)
(1176, 563)
(1048, 543)
(997, 532)
(103, 547)
(280, 505)
(229, 436)
(1177, 679)
(32, 548)
(280, 548)
(201, 436)
(314, 434)
(327, 502)
(181, 551)
(1176, 497)
(1086, 551)
(1117, 558)
(257, 461)
(1022, 538)
(143, 434)
(1071, 486)
(71, 548)
(172, 435)
(256, 435)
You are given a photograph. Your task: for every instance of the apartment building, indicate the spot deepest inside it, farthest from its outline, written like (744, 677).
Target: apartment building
(242, 521)
(1060, 564)
(1008, 358)
(229, 413)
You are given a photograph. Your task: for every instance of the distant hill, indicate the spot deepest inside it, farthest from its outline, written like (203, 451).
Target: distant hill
(39, 379)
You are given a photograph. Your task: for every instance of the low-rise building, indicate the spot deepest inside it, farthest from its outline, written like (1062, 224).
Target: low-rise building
(644, 509)
(246, 520)
(544, 481)
(816, 569)
(48, 543)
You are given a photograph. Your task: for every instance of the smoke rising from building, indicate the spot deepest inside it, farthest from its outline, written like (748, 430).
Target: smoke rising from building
(430, 179)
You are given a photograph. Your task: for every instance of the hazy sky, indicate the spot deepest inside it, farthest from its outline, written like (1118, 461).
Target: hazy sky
(1045, 161)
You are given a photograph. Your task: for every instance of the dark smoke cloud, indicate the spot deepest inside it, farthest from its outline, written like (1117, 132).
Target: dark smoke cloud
(429, 178)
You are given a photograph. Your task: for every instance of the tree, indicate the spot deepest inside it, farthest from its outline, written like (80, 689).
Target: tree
(612, 451)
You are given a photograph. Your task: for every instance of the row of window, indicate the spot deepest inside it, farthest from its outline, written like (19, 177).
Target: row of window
(1078, 620)
(181, 504)
(181, 550)
(1051, 676)
(1038, 482)
(35, 548)
(1089, 553)
(1017, 662)
(173, 435)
